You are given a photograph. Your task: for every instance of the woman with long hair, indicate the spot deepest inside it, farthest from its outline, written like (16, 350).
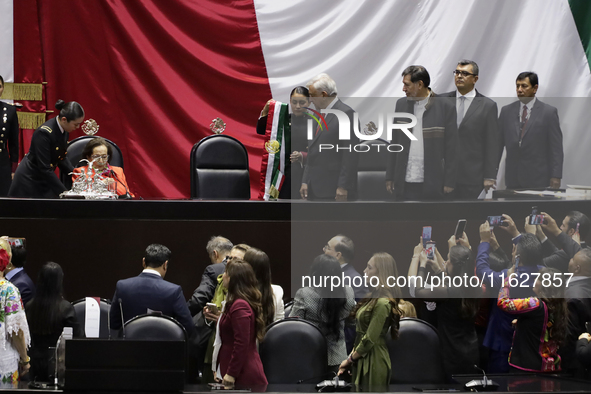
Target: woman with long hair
(375, 314)
(326, 306)
(457, 306)
(14, 331)
(271, 295)
(542, 324)
(48, 313)
(236, 360)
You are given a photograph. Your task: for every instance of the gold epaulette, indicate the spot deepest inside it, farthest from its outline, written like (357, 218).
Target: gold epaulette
(47, 128)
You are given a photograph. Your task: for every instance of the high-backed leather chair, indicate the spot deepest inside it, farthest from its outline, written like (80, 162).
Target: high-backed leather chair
(371, 171)
(293, 350)
(105, 307)
(155, 327)
(416, 355)
(75, 148)
(219, 169)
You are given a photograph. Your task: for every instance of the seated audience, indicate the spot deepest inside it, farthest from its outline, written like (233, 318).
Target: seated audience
(326, 307)
(14, 330)
(99, 150)
(370, 362)
(150, 292)
(15, 272)
(456, 306)
(541, 324)
(236, 360)
(271, 295)
(48, 313)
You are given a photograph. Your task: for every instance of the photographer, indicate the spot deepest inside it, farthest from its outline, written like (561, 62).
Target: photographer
(526, 255)
(456, 305)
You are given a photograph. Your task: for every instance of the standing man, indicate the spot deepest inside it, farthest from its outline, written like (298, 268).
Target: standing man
(530, 130)
(426, 168)
(8, 143)
(477, 133)
(342, 248)
(149, 291)
(331, 171)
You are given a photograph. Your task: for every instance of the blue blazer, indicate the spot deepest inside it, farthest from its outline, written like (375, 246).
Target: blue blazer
(145, 291)
(25, 286)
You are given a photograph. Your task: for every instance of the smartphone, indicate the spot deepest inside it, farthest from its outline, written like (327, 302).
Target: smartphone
(430, 250)
(213, 308)
(495, 221)
(588, 326)
(535, 218)
(426, 235)
(460, 227)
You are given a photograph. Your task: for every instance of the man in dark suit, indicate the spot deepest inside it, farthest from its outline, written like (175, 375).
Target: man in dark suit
(426, 168)
(331, 168)
(477, 133)
(15, 271)
(218, 249)
(530, 130)
(150, 292)
(578, 295)
(8, 143)
(342, 248)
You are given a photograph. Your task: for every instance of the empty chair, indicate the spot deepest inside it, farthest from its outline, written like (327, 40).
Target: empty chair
(105, 307)
(293, 350)
(219, 169)
(75, 148)
(153, 327)
(415, 355)
(371, 171)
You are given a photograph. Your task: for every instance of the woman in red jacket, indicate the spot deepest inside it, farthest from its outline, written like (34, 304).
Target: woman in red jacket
(101, 152)
(241, 324)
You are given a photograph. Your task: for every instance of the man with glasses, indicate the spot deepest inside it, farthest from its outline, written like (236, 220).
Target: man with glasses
(530, 130)
(477, 133)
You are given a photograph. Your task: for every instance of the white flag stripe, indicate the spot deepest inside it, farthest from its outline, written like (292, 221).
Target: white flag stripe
(7, 41)
(365, 45)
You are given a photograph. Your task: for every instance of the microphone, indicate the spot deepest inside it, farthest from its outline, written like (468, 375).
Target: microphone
(481, 385)
(122, 321)
(127, 193)
(109, 322)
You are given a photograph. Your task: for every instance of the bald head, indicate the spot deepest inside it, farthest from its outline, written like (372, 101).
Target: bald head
(580, 265)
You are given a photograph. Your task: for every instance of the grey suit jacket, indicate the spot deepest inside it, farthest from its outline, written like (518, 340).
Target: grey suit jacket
(539, 156)
(478, 136)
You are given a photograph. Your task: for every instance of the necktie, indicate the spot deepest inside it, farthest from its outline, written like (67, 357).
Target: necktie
(523, 122)
(461, 109)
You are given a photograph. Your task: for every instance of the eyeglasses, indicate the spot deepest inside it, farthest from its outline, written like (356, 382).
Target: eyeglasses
(326, 247)
(102, 157)
(463, 73)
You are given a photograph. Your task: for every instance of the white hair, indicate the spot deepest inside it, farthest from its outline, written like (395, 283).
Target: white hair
(323, 83)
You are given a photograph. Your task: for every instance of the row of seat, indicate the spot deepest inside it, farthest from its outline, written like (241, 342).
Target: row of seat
(415, 356)
(219, 168)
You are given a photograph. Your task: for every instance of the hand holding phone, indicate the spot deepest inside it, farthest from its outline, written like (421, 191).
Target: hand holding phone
(213, 308)
(460, 228)
(430, 250)
(426, 235)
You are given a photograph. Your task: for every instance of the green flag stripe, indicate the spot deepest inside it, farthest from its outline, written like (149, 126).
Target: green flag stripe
(581, 10)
